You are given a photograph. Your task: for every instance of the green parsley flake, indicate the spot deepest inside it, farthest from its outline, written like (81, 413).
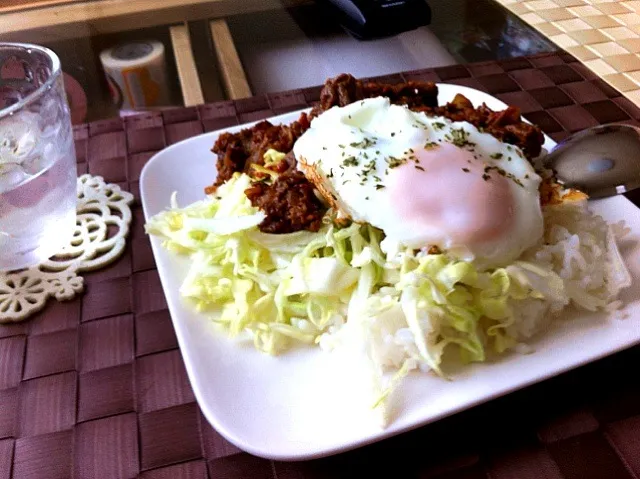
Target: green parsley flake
(505, 174)
(460, 137)
(394, 162)
(366, 143)
(351, 161)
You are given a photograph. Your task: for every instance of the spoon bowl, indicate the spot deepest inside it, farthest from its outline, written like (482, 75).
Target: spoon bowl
(600, 161)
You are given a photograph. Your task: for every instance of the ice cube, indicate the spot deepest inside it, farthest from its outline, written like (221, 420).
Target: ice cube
(18, 138)
(11, 175)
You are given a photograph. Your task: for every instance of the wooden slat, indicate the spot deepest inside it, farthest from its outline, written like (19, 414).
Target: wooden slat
(186, 64)
(233, 76)
(88, 18)
(21, 5)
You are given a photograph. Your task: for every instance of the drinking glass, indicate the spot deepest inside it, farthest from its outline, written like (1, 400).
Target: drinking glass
(37, 157)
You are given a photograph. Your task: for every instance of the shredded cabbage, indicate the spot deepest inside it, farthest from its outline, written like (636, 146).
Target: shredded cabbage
(342, 285)
(278, 288)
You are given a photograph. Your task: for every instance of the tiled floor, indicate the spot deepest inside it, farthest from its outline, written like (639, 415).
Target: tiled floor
(603, 34)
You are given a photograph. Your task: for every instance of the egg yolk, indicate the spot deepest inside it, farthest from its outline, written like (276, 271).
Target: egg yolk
(448, 190)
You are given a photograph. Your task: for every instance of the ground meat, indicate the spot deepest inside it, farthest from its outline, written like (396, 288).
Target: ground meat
(553, 193)
(345, 89)
(237, 151)
(505, 125)
(290, 204)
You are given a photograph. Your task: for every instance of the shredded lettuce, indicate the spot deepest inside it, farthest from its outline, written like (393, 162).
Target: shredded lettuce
(279, 288)
(346, 284)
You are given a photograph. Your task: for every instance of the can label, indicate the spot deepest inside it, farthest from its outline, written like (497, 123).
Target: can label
(140, 88)
(116, 92)
(136, 75)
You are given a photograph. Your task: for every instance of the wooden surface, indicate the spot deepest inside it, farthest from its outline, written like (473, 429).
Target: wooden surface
(186, 65)
(232, 72)
(88, 18)
(603, 34)
(17, 5)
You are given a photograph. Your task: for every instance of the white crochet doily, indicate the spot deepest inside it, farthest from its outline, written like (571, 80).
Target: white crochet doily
(102, 225)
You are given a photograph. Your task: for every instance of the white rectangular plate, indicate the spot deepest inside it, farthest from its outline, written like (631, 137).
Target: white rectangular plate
(304, 404)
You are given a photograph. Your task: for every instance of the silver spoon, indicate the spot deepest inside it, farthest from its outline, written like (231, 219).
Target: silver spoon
(601, 161)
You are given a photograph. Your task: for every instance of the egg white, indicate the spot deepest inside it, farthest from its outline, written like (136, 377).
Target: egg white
(348, 152)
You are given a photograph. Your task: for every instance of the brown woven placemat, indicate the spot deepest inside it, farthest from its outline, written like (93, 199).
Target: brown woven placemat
(97, 388)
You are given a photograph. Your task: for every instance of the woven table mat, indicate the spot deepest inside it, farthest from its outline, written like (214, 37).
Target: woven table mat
(97, 388)
(603, 34)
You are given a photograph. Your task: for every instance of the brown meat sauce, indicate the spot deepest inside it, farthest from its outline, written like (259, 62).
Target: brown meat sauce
(238, 151)
(290, 203)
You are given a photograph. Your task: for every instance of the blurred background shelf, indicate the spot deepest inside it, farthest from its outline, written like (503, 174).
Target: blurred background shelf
(20, 5)
(52, 20)
(201, 59)
(230, 49)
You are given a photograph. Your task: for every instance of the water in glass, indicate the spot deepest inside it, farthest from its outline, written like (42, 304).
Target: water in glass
(37, 158)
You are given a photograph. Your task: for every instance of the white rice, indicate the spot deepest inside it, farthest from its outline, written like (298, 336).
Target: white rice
(581, 248)
(578, 245)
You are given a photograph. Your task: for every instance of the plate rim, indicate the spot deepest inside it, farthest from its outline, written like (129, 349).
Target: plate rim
(297, 455)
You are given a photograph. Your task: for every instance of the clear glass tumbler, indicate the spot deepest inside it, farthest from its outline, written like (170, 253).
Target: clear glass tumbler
(37, 157)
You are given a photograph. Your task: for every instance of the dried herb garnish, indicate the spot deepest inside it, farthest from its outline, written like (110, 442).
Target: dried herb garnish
(460, 137)
(351, 161)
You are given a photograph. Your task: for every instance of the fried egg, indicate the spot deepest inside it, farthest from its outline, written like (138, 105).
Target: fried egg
(425, 181)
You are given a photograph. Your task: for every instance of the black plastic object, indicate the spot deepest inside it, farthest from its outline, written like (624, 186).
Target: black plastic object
(369, 19)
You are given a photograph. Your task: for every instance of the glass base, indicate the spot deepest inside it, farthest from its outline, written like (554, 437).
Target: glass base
(50, 244)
